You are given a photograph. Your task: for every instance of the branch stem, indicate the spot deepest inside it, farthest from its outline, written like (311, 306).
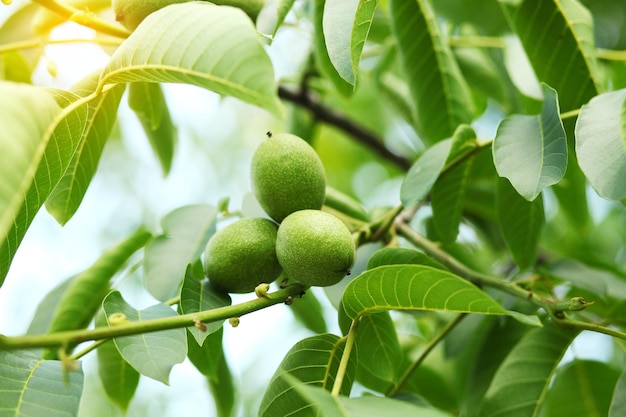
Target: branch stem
(345, 358)
(71, 337)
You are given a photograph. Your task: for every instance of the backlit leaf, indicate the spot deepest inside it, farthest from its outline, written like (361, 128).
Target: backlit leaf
(199, 43)
(424, 172)
(272, 16)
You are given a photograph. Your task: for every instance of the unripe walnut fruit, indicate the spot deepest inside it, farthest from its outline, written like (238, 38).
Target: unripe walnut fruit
(242, 255)
(315, 247)
(287, 176)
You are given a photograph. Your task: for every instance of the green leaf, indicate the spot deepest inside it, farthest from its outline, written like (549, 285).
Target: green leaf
(559, 41)
(31, 387)
(151, 354)
(346, 24)
(326, 405)
(602, 283)
(531, 151)
(379, 352)
(412, 287)
(320, 52)
(119, 379)
(600, 144)
(18, 65)
(519, 385)
(102, 115)
(46, 308)
(313, 361)
(272, 16)
(424, 172)
(186, 232)
(521, 222)
(309, 312)
(199, 43)
(148, 103)
(618, 404)
(195, 296)
(582, 388)
(438, 89)
(398, 256)
(39, 138)
(84, 295)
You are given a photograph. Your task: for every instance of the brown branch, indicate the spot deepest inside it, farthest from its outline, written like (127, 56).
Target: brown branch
(324, 114)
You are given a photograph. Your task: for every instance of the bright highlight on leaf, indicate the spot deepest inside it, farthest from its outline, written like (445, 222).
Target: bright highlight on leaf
(531, 151)
(198, 43)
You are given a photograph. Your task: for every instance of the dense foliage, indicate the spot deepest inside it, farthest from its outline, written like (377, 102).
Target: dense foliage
(475, 149)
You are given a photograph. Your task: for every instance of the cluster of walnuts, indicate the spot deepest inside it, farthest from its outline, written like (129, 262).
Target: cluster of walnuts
(306, 244)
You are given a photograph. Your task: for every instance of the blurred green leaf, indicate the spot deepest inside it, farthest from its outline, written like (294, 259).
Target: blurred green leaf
(152, 354)
(602, 283)
(398, 256)
(424, 172)
(438, 89)
(618, 403)
(195, 296)
(601, 146)
(186, 232)
(148, 102)
(520, 383)
(198, 43)
(272, 16)
(39, 138)
(581, 388)
(313, 361)
(531, 151)
(309, 312)
(32, 387)
(66, 197)
(559, 41)
(521, 222)
(346, 24)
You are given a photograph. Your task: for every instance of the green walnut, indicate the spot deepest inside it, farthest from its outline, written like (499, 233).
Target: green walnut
(242, 255)
(287, 176)
(315, 248)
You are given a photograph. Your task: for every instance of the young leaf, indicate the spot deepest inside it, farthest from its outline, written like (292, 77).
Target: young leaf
(102, 114)
(272, 16)
(559, 41)
(438, 89)
(521, 222)
(196, 296)
(34, 387)
(346, 24)
(198, 43)
(186, 232)
(87, 290)
(519, 385)
(152, 354)
(601, 144)
(398, 256)
(39, 138)
(312, 361)
(424, 172)
(380, 354)
(320, 51)
(412, 287)
(148, 103)
(531, 151)
(582, 387)
(119, 379)
(618, 404)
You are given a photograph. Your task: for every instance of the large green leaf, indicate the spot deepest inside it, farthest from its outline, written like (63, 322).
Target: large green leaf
(581, 388)
(119, 379)
(618, 404)
(438, 89)
(186, 231)
(531, 151)
(68, 194)
(196, 296)
(84, 295)
(412, 287)
(600, 144)
(148, 102)
(424, 172)
(521, 223)
(346, 24)
(32, 387)
(519, 385)
(312, 361)
(39, 138)
(199, 43)
(559, 41)
(151, 354)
